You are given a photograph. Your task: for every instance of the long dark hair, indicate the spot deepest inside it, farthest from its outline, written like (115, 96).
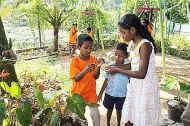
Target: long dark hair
(131, 20)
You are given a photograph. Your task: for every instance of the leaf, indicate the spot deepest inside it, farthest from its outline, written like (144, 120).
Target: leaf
(15, 90)
(52, 102)
(2, 111)
(6, 122)
(43, 112)
(170, 83)
(24, 114)
(5, 87)
(55, 120)
(184, 87)
(5, 11)
(40, 98)
(76, 104)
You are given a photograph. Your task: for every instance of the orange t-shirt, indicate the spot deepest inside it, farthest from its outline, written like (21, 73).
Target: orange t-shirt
(73, 35)
(149, 28)
(91, 34)
(86, 87)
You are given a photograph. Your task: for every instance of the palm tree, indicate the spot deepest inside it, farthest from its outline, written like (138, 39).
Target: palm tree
(55, 14)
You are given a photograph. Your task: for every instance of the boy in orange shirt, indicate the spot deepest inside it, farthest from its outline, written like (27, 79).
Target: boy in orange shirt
(72, 39)
(90, 32)
(84, 70)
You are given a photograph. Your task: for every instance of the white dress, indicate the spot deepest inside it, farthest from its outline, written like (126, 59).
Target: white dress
(142, 104)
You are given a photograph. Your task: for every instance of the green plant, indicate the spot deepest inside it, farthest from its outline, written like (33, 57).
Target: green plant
(175, 45)
(185, 87)
(176, 11)
(171, 82)
(40, 98)
(14, 90)
(55, 119)
(8, 115)
(76, 104)
(24, 113)
(2, 111)
(48, 117)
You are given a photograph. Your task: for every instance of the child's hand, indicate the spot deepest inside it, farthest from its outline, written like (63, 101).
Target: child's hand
(112, 69)
(100, 62)
(89, 67)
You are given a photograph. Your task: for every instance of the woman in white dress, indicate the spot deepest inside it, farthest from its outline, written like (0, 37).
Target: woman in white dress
(142, 104)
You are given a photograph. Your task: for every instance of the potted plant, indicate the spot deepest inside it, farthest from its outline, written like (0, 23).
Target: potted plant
(176, 106)
(186, 116)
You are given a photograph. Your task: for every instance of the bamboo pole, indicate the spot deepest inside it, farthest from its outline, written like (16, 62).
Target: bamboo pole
(162, 38)
(135, 7)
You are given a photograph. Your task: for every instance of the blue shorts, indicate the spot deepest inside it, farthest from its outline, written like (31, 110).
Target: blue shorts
(110, 101)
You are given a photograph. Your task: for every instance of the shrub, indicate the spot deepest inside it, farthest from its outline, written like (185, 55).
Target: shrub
(176, 45)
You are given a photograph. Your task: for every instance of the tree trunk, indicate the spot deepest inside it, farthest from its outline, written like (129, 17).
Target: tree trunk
(3, 38)
(135, 7)
(39, 31)
(100, 41)
(188, 8)
(7, 67)
(55, 41)
(179, 28)
(98, 38)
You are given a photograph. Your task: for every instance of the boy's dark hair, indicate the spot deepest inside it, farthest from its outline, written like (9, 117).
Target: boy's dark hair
(89, 29)
(122, 47)
(82, 38)
(131, 20)
(75, 24)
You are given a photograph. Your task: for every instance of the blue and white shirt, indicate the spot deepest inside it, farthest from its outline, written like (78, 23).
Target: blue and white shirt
(117, 84)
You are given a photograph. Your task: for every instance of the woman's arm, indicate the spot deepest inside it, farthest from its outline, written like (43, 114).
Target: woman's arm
(145, 52)
(124, 66)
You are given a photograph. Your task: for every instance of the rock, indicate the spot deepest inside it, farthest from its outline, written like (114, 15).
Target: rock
(186, 116)
(166, 122)
(72, 119)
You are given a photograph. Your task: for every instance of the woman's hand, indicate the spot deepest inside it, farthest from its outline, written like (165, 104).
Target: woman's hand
(113, 69)
(100, 62)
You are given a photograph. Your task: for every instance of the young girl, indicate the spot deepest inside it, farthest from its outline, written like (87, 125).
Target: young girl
(141, 107)
(115, 85)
